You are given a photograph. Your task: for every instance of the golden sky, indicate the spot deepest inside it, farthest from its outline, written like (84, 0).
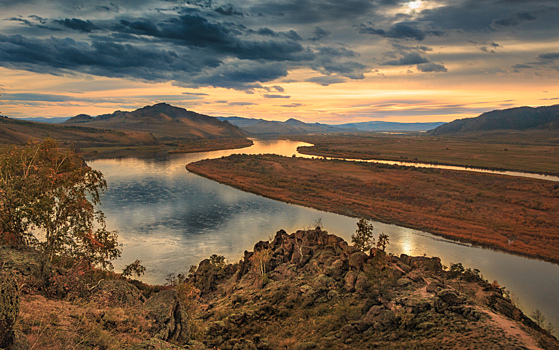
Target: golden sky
(314, 60)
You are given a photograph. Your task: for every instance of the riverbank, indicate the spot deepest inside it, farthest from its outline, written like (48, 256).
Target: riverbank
(155, 151)
(532, 152)
(512, 214)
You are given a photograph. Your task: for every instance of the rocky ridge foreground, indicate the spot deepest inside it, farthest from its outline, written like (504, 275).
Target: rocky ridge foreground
(306, 290)
(311, 290)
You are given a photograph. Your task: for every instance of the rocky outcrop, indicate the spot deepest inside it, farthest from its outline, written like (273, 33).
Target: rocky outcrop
(315, 291)
(168, 317)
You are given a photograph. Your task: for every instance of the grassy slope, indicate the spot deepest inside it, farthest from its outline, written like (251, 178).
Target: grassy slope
(535, 152)
(513, 214)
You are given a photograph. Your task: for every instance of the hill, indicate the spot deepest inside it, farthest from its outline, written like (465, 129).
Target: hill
(15, 131)
(297, 127)
(305, 290)
(289, 127)
(521, 118)
(164, 121)
(391, 126)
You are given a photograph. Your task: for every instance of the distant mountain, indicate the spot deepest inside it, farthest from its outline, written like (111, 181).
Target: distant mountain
(521, 118)
(289, 127)
(54, 120)
(390, 126)
(294, 126)
(164, 121)
(17, 131)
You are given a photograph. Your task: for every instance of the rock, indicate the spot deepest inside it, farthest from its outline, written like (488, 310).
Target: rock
(168, 316)
(362, 283)
(403, 282)
(117, 293)
(337, 269)
(450, 296)
(404, 267)
(357, 260)
(432, 288)
(9, 308)
(373, 314)
(350, 279)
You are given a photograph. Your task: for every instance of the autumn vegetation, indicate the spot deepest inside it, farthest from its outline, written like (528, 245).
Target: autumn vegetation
(513, 214)
(528, 151)
(47, 201)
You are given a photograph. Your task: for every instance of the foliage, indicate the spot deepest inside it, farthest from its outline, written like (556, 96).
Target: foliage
(136, 268)
(189, 296)
(456, 269)
(48, 198)
(383, 240)
(363, 237)
(538, 317)
(260, 259)
(218, 260)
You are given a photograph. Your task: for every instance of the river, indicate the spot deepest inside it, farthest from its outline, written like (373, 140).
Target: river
(171, 219)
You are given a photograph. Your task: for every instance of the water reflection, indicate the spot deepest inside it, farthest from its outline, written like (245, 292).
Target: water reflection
(171, 219)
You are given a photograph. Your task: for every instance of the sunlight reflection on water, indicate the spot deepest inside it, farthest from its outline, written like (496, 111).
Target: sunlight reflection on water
(170, 219)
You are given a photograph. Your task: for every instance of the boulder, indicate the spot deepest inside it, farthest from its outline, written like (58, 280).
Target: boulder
(117, 293)
(357, 260)
(168, 317)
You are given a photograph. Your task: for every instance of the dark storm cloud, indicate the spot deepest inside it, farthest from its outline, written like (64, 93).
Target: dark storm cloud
(291, 34)
(399, 31)
(313, 11)
(549, 56)
(319, 34)
(228, 10)
(515, 20)
(61, 56)
(431, 68)
(196, 31)
(245, 76)
(409, 59)
(78, 24)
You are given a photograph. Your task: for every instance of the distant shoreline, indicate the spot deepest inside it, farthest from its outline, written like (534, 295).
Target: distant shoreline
(436, 201)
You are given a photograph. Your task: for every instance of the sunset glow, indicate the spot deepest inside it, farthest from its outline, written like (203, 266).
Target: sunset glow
(326, 61)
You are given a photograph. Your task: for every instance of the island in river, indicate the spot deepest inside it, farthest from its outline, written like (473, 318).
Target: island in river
(512, 214)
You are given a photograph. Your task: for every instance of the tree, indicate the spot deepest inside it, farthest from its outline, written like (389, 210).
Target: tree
(48, 198)
(383, 241)
(363, 237)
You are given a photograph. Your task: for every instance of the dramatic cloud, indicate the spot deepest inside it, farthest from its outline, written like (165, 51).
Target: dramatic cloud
(515, 20)
(431, 67)
(408, 60)
(399, 31)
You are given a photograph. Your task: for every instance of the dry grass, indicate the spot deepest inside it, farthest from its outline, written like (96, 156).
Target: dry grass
(513, 214)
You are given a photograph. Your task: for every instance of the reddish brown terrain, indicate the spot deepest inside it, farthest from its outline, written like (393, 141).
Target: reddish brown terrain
(513, 214)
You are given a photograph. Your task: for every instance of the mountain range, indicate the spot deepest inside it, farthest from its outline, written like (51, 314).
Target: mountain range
(295, 127)
(521, 118)
(164, 121)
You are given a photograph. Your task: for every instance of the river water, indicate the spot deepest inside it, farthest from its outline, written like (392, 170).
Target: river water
(171, 219)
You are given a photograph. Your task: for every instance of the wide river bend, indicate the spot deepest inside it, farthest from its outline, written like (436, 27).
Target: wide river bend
(171, 219)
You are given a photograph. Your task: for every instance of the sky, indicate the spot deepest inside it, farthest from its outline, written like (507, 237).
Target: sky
(328, 61)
